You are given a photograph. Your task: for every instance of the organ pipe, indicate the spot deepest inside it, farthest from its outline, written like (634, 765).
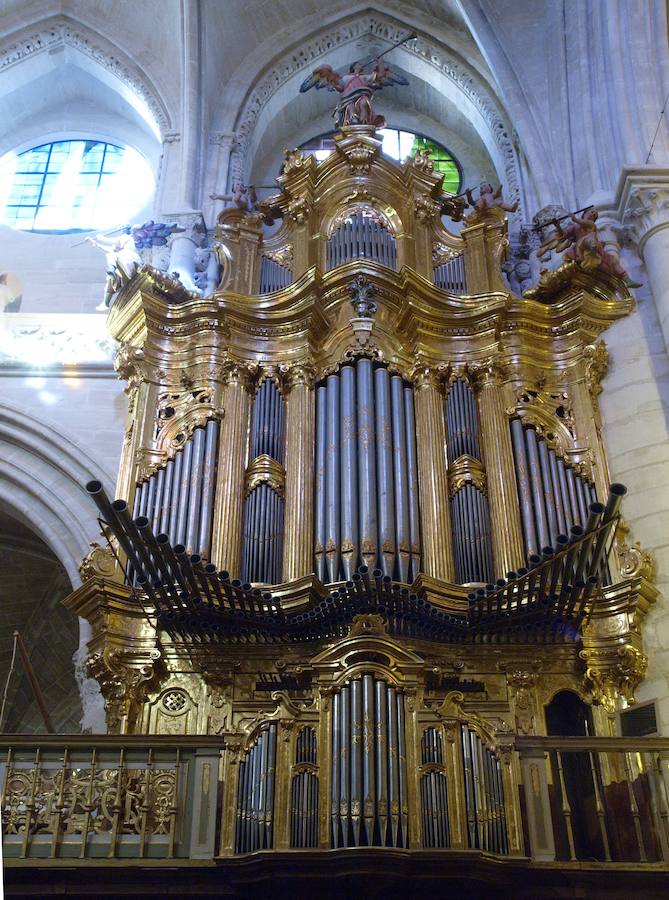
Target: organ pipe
(554, 498)
(366, 497)
(450, 276)
(255, 794)
(264, 507)
(361, 237)
(369, 778)
(177, 499)
(470, 517)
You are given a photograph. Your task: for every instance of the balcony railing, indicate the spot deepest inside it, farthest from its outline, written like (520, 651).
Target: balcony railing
(153, 798)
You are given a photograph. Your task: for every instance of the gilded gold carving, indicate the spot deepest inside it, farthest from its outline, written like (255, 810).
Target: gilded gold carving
(294, 160)
(614, 672)
(466, 470)
(369, 623)
(265, 470)
(596, 366)
(99, 562)
(632, 560)
(421, 161)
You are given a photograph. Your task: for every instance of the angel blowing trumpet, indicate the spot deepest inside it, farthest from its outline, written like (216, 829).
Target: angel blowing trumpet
(357, 87)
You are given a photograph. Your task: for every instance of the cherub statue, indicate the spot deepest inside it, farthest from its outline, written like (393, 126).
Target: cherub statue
(243, 196)
(123, 260)
(356, 88)
(488, 200)
(579, 242)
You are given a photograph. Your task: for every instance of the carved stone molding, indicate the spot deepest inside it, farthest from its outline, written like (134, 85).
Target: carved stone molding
(642, 203)
(57, 31)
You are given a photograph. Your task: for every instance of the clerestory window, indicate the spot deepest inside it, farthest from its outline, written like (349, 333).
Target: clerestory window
(399, 145)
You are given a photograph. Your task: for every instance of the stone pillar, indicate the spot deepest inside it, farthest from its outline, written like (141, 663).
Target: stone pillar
(226, 547)
(221, 145)
(643, 206)
(507, 537)
(298, 530)
(435, 510)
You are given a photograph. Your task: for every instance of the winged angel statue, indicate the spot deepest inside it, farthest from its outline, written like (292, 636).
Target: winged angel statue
(357, 88)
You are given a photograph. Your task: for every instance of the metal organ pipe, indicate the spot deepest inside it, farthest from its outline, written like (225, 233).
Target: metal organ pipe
(264, 507)
(361, 237)
(554, 497)
(470, 520)
(369, 779)
(177, 499)
(366, 492)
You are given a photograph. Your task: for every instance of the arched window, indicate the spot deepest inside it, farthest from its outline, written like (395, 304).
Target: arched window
(73, 185)
(400, 145)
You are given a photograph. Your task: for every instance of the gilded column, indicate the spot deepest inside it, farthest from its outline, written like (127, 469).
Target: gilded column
(433, 475)
(232, 452)
(507, 536)
(140, 421)
(585, 404)
(298, 533)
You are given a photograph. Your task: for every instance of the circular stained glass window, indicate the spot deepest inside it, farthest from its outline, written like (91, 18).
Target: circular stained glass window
(400, 145)
(73, 186)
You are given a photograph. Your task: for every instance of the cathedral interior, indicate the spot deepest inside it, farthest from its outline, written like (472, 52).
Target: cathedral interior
(334, 448)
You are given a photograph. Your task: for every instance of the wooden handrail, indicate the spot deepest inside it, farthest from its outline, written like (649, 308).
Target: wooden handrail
(525, 743)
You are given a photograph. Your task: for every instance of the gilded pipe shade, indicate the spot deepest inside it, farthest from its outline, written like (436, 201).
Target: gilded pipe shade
(361, 236)
(366, 493)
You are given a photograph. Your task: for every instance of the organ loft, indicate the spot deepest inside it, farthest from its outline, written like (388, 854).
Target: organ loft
(363, 542)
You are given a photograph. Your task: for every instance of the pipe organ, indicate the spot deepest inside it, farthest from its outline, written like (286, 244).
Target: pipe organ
(369, 773)
(365, 541)
(554, 498)
(366, 477)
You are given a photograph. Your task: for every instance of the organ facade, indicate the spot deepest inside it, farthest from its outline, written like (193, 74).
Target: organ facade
(363, 531)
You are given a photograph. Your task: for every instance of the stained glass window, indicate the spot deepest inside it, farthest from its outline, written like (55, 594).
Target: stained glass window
(400, 145)
(73, 186)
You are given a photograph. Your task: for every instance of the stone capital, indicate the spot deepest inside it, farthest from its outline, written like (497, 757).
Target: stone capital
(642, 202)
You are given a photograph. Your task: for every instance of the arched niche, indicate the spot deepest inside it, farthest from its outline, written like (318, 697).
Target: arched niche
(439, 80)
(33, 585)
